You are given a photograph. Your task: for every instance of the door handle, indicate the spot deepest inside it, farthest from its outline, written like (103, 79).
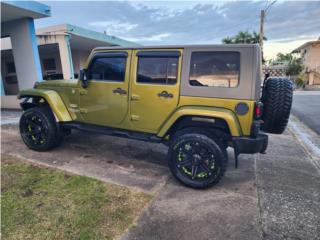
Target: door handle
(135, 97)
(83, 92)
(165, 94)
(120, 91)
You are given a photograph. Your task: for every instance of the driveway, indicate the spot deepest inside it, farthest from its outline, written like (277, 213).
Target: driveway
(273, 196)
(306, 106)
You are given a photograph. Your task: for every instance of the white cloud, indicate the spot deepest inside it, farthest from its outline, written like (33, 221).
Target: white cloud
(152, 38)
(288, 23)
(114, 26)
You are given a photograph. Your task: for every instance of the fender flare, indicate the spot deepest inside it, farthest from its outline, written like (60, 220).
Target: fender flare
(53, 99)
(212, 112)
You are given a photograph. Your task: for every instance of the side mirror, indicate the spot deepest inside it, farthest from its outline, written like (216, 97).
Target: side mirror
(83, 78)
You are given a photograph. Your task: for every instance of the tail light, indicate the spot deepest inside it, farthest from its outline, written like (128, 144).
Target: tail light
(258, 110)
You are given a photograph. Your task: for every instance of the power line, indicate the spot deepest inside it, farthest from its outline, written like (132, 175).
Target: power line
(262, 20)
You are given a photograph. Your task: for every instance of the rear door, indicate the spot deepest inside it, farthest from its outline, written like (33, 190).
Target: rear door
(105, 100)
(154, 87)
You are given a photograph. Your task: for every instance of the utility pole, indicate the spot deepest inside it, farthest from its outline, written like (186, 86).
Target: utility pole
(262, 20)
(262, 16)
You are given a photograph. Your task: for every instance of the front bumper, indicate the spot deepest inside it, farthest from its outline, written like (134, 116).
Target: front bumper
(251, 145)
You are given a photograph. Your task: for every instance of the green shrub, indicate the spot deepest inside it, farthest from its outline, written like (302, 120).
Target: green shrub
(300, 81)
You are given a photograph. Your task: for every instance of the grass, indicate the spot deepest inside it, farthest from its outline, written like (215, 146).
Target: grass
(42, 203)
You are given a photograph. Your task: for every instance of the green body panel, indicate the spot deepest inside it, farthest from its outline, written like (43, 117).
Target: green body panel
(100, 105)
(212, 112)
(148, 111)
(69, 91)
(245, 120)
(54, 100)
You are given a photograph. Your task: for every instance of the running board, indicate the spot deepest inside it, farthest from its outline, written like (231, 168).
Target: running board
(112, 131)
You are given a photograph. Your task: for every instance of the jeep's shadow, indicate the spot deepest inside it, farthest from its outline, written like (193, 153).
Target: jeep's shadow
(120, 148)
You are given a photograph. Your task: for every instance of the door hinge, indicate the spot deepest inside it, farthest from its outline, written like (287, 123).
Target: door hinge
(83, 92)
(134, 118)
(83, 110)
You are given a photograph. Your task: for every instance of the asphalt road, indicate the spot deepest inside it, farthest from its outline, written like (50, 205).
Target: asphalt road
(306, 106)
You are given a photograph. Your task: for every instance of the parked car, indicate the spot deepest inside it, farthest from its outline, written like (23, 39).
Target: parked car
(198, 100)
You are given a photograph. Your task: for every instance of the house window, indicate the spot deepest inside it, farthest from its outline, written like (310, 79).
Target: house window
(49, 64)
(215, 69)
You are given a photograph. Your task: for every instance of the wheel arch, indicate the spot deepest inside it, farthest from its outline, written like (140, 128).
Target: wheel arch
(213, 118)
(45, 97)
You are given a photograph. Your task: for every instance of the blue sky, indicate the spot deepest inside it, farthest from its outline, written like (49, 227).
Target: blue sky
(288, 23)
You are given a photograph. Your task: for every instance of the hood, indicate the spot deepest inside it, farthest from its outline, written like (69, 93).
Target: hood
(57, 83)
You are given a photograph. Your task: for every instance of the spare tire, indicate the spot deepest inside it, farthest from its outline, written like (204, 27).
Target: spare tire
(277, 100)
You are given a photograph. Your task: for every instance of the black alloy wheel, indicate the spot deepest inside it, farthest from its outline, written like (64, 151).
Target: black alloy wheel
(34, 129)
(196, 160)
(38, 129)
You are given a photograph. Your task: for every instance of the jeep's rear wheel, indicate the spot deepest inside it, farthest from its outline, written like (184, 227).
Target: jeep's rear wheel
(38, 129)
(277, 100)
(196, 160)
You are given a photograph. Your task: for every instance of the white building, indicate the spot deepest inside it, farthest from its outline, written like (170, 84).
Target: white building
(29, 55)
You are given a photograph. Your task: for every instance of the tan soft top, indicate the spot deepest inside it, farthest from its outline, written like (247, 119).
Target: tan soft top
(195, 46)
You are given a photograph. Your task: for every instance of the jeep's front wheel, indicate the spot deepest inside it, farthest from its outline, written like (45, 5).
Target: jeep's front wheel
(39, 130)
(196, 160)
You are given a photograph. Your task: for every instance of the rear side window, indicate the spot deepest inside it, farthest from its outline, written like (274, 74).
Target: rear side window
(215, 69)
(158, 68)
(108, 69)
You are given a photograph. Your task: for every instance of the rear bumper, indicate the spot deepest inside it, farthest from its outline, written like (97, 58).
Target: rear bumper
(251, 145)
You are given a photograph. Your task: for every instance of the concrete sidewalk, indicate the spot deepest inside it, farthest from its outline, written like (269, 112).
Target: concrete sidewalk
(289, 191)
(273, 196)
(285, 206)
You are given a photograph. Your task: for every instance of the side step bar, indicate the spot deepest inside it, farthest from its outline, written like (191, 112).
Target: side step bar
(112, 131)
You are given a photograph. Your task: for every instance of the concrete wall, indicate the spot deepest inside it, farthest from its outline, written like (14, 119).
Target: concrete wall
(311, 61)
(311, 57)
(48, 51)
(79, 59)
(64, 51)
(25, 51)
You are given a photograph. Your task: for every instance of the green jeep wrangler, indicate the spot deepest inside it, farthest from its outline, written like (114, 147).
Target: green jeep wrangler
(198, 100)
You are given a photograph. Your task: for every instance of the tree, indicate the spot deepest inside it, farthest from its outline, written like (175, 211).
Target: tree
(294, 64)
(227, 40)
(284, 57)
(243, 37)
(294, 67)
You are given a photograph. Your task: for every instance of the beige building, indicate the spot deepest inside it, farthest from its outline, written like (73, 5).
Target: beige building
(310, 55)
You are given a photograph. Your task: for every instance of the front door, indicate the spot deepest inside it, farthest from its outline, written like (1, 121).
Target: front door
(105, 100)
(155, 87)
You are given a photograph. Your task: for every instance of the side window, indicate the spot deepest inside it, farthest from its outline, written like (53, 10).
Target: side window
(108, 69)
(157, 69)
(215, 69)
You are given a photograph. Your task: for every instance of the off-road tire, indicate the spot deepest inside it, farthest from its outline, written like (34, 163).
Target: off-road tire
(208, 141)
(39, 129)
(277, 100)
